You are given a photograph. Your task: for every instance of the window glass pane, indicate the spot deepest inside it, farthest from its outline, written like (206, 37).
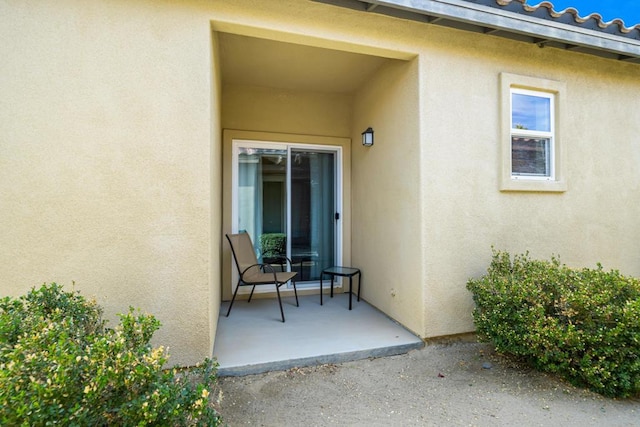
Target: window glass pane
(530, 112)
(301, 227)
(312, 212)
(261, 192)
(530, 156)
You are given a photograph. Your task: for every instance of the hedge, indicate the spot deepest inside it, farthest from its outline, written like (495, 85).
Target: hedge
(583, 324)
(61, 365)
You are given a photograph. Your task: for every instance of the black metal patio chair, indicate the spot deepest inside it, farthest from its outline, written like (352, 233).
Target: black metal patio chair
(253, 273)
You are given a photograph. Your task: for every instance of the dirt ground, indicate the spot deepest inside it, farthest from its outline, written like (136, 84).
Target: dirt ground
(458, 384)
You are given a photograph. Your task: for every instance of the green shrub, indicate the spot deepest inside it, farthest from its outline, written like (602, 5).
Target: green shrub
(273, 244)
(60, 365)
(581, 324)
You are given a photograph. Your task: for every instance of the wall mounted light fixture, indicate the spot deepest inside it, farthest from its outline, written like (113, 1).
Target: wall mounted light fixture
(367, 137)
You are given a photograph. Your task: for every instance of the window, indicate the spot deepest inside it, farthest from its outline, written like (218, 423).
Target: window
(531, 134)
(531, 147)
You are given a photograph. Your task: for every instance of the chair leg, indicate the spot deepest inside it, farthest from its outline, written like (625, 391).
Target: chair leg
(251, 294)
(233, 299)
(280, 302)
(295, 291)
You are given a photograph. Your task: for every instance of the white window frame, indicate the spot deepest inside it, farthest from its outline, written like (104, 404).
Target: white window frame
(553, 90)
(527, 133)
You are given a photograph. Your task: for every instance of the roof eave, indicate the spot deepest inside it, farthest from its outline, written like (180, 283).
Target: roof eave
(494, 21)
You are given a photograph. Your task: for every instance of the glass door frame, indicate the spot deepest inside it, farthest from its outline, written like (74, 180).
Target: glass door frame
(238, 143)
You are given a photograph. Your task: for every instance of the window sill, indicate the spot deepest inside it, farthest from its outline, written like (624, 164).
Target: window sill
(533, 185)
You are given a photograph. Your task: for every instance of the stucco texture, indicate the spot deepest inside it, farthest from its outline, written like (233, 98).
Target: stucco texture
(105, 159)
(111, 168)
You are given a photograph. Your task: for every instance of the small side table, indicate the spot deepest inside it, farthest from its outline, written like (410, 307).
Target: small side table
(343, 272)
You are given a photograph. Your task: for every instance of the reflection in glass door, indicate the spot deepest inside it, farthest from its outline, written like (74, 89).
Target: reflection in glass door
(286, 198)
(313, 212)
(261, 192)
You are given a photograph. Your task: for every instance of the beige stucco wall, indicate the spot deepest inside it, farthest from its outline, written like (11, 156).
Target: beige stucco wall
(111, 156)
(285, 111)
(215, 236)
(106, 160)
(387, 219)
(593, 221)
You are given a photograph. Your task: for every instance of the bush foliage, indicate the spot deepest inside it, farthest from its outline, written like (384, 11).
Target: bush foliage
(273, 244)
(581, 324)
(60, 365)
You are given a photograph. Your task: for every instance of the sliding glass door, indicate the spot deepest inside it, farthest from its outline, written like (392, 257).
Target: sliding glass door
(286, 196)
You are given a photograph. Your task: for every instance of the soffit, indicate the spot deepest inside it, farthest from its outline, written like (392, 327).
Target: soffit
(268, 63)
(515, 20)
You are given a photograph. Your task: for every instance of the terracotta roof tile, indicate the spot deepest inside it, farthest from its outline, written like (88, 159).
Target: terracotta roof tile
(570, 16)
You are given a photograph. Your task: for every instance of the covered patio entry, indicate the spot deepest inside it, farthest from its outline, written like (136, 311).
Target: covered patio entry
(254, 340)
(280, 89)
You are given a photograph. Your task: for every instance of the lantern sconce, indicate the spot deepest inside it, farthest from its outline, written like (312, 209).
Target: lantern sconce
(367, 137)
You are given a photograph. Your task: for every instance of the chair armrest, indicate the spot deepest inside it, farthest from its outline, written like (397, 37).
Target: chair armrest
(289, 261)
(259, 266)
(279, 260)
(265, 268)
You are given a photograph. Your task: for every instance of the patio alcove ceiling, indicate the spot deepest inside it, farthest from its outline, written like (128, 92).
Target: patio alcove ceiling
(251, 61)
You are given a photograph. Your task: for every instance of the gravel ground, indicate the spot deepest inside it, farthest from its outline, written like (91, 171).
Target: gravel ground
(440, 385)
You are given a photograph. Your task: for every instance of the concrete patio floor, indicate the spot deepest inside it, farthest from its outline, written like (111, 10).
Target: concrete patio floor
(253, 338)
